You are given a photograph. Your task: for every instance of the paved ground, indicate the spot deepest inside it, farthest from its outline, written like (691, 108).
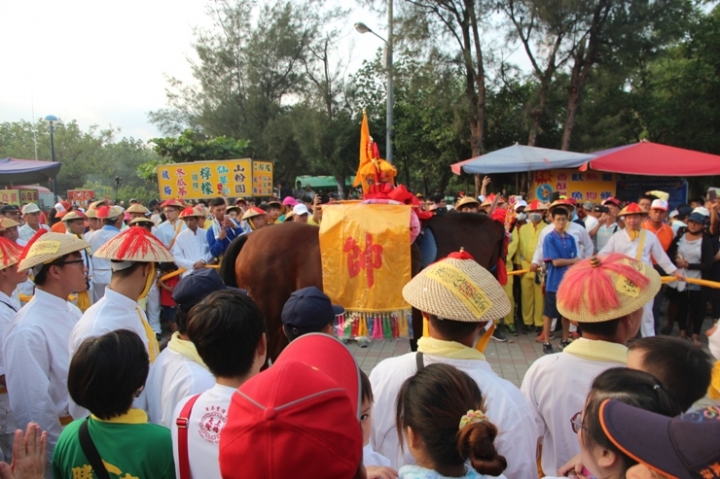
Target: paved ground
(510, 359)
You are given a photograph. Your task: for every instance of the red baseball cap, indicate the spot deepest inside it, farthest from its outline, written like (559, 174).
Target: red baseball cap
(299, 417)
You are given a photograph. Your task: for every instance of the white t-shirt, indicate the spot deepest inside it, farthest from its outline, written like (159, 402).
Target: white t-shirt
(556, 387)
(504, 404)
(208, 417)
(372, 458)
(590, 222)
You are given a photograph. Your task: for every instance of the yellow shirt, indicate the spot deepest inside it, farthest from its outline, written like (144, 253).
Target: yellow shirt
(512, 248)
(529, 236)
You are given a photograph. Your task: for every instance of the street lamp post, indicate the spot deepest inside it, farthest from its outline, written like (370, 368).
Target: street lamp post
(51, 120)
(362, 28)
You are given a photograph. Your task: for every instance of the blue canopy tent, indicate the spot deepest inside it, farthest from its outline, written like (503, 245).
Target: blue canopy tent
(21, 172)
(521, 158)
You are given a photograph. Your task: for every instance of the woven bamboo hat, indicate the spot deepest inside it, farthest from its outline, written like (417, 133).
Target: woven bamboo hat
(536, 205)
(9, 253)
(134, 245)
(109, 212)
(91, 213)
(459, 289)
(141, 222)
(74, 215)
(252, 212)
(6, 223)
(466, 200)
(173, 202)
(632, 209)
(490, 198)
(190, 212)
(603, 288)
(562, 203)
(137, 208)
(45, 247)
(234, 208)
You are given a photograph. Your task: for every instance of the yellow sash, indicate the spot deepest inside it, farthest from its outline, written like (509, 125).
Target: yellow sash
(185, 348)
(641, 245)
(448, 349)
(153, 346)
(598, 351)
(178, 227)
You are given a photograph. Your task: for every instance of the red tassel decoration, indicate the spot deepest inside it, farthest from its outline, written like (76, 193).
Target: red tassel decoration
(32, 241)
(462, 254)
(9, 250)
(136, 240)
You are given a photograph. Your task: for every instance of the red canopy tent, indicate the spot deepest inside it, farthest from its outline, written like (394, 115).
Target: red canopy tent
(654, 159)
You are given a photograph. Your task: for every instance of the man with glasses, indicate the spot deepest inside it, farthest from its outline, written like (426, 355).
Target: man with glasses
(169, 229)
(605, 295)
(35, 350)
(12, 212)
(31, 216)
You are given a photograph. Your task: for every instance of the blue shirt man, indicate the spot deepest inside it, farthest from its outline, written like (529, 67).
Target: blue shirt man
(223, 230)
(560, 252)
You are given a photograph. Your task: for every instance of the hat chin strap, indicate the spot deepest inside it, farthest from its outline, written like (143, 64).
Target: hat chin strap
(148, 282)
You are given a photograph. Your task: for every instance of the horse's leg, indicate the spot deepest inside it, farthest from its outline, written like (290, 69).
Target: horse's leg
(417, 319)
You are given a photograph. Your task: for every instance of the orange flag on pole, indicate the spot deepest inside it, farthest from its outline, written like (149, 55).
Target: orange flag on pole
(365, 147)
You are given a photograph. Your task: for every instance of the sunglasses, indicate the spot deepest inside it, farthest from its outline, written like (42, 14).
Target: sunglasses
(576, 422)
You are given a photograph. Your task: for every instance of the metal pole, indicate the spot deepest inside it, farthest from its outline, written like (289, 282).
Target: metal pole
(388, 139)
(52, 157)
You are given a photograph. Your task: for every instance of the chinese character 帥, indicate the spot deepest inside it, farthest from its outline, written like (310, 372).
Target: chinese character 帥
(368, 259)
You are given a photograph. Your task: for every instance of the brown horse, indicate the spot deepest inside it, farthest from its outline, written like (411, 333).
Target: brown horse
(273, 262)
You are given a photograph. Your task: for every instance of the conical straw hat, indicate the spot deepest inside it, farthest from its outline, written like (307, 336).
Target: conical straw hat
(135, 245)
(45, 247)
(190, 212)
(9, 253)
(459, 289)
(252, 212)
(137, 208)
(632, 209)
(141, 221)
(603, 288)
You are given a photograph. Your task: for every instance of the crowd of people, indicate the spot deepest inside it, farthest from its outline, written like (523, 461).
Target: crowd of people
(91, 388)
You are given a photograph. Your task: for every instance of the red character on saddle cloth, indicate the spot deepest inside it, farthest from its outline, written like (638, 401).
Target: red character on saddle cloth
(377, 178)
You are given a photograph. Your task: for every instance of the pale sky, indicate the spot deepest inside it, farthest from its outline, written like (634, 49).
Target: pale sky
(102, 62)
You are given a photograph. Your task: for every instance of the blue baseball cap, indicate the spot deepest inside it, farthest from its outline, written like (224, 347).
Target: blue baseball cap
(194, 287)
(309, 310)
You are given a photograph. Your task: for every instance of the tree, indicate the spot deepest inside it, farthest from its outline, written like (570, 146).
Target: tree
(192, 146)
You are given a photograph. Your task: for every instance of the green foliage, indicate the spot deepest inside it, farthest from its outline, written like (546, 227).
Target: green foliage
(92, 156)
(190, 146)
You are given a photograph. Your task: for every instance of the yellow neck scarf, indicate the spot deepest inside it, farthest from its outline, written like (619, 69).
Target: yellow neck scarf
(448, 349)
(598, 351)
(153, 346)
(185, 348)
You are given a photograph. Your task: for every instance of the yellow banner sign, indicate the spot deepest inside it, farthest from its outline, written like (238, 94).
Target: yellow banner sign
(593, 186)
(204, 179)
(262, 178)
(15, 197)
(365, 252)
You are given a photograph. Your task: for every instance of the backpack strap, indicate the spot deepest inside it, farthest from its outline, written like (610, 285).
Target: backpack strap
(182, 422)
(91, 452)
(419, 361)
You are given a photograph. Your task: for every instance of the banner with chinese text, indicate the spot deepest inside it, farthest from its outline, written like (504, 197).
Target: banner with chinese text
(593, 186)
(365, 251)
(16, 197)
(205, 179)
(262, 178)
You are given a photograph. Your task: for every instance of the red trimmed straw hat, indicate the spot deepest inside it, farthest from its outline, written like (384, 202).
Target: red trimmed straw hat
(632, 209)
(9, 253)
(45, 247)
(134, 245)
(536, 205)
(603, 288)
(190, 212)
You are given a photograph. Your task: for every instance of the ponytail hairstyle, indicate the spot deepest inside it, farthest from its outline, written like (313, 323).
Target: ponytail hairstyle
(433, 403)
(633, 387)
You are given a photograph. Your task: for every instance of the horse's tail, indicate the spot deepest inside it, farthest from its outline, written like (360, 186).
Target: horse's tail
(227, 265)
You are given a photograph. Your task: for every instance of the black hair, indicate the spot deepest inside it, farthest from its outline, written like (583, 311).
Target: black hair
(635, 388)
(167, 267)
(109, 221)
(559, 212)
(684, 369)
(202, 202)
(649, 197)
(106, 372)
(697, 199)
(452, 330)
(605, 329)
(217, 202)
(365, 387)
(432, 403)
(306, 199)
(226, 328)
(181, 317)
(437, 198)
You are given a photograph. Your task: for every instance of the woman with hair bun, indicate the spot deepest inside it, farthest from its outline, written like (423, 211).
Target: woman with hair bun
(439, 418)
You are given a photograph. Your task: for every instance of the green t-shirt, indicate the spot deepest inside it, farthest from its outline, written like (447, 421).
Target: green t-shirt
(129, 446)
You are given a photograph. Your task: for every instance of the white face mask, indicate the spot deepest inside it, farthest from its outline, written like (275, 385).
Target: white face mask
(714, 343)
(535, 217)
(521, 216)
